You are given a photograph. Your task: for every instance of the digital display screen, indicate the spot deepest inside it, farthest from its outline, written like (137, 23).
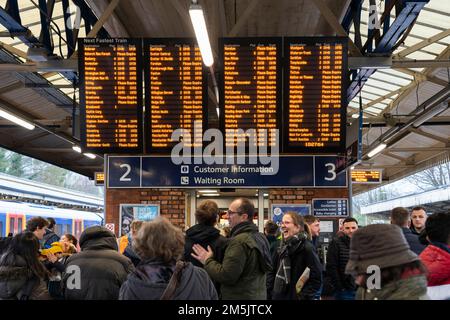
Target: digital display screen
(99, 178)
(366, 176)
(250, 85)
(315, 95)
(176, 85)
(110, 95)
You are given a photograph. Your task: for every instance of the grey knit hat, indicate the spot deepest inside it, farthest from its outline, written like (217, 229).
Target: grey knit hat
(383, 245)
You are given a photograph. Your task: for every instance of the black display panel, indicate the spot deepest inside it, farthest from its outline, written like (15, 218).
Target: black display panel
(314, 113)
(176, 92)
(110, 95)
(250, 88)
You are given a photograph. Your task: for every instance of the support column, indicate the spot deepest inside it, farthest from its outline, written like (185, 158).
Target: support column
(261, 210)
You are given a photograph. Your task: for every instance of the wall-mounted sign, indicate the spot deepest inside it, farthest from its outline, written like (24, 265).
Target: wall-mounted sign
(330, 207)
(366, 176)
(99, 178)
(161, 172)
(130, 212)
(278, 210)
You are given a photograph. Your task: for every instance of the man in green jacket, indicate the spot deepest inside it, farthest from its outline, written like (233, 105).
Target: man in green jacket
(242, 274)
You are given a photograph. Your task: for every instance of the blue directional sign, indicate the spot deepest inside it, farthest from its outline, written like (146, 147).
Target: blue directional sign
(278, 210)
(162, 172)
(330, 207)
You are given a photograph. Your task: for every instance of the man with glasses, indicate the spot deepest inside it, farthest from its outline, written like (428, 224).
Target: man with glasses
(242, 274)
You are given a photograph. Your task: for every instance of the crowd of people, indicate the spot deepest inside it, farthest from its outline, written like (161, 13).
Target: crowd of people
(407, 259)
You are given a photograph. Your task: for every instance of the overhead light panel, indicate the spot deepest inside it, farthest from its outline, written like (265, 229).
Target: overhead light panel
(90, 155)
(210, 195)
(77, 149)
(201, 33)
(207, 191)
(16, 120)
(377, 150)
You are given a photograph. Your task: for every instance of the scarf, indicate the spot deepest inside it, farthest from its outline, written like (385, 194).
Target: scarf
(283, 275)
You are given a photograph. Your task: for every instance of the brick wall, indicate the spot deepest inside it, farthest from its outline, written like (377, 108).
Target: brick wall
(171, 201)
(297, 195)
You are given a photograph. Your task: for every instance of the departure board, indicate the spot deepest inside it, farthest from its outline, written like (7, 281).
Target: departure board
(314, 97)
(110, 95)
(366, 176)
(250, 85)
(176, 96)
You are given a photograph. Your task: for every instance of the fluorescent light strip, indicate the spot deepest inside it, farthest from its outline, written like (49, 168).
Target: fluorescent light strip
(210, 195)
(207, 190)
(201, 33)
(77, 149)
(377, 149)
(90, 155)
(16, 120)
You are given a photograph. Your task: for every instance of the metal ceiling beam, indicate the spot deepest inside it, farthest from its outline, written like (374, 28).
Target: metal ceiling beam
(394, 156)
(420, 150)
(423, 44)
(337, 27)
(429, 135)
(243, 18)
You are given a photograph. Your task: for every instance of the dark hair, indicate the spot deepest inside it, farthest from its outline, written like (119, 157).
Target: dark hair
(400, 216)
(437, 227)
(35, 223)
(309, 219)
(419, 208)
(349, 219)
(51, 223)
(72, 238)
(271, 228)
(395, 273)
(207, 213)
(26, 246)
(246, 206)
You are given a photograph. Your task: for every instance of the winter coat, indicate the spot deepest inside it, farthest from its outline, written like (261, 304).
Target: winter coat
(337, 258)
(205, 236)
(274, 244)
(413, 241)
(411, 288)
(151, 278)
(103, 269)
(49, 238)
(301, 254)
(437, 261)
(242, 274)
(132, 255)
(14, 278)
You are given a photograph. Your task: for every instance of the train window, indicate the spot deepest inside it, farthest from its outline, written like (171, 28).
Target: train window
(19, 225)
(11, 225)
(1, 229)
(68, 228)
(58, 228)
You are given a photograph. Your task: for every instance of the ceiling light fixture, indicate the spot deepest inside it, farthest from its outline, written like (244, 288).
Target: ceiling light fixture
(377, 150)
(76, 148)
(201, 33)
(90, 155)
(16, 120)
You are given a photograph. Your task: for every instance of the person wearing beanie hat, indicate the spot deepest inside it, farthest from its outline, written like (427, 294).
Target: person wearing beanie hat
(383, 247)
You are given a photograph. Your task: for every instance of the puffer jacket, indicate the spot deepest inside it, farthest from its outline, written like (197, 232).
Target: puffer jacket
(337, 258)
(103, 269)
(151, 278)
(301, 255)
(242, 274)
(14, 278)
(437, 261)
(205, 236)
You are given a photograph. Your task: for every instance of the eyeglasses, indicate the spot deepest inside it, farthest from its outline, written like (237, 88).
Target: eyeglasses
(230, 212)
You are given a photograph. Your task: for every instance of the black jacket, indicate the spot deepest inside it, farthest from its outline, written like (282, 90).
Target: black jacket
(131, 254)
(274, 244)
(413, 241)
(337, 258)
(151, 278)
(205, 236)
(302, 255)
(103, 269)
(15, 276)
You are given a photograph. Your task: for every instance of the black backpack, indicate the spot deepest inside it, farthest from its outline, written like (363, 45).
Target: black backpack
(4, 244)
